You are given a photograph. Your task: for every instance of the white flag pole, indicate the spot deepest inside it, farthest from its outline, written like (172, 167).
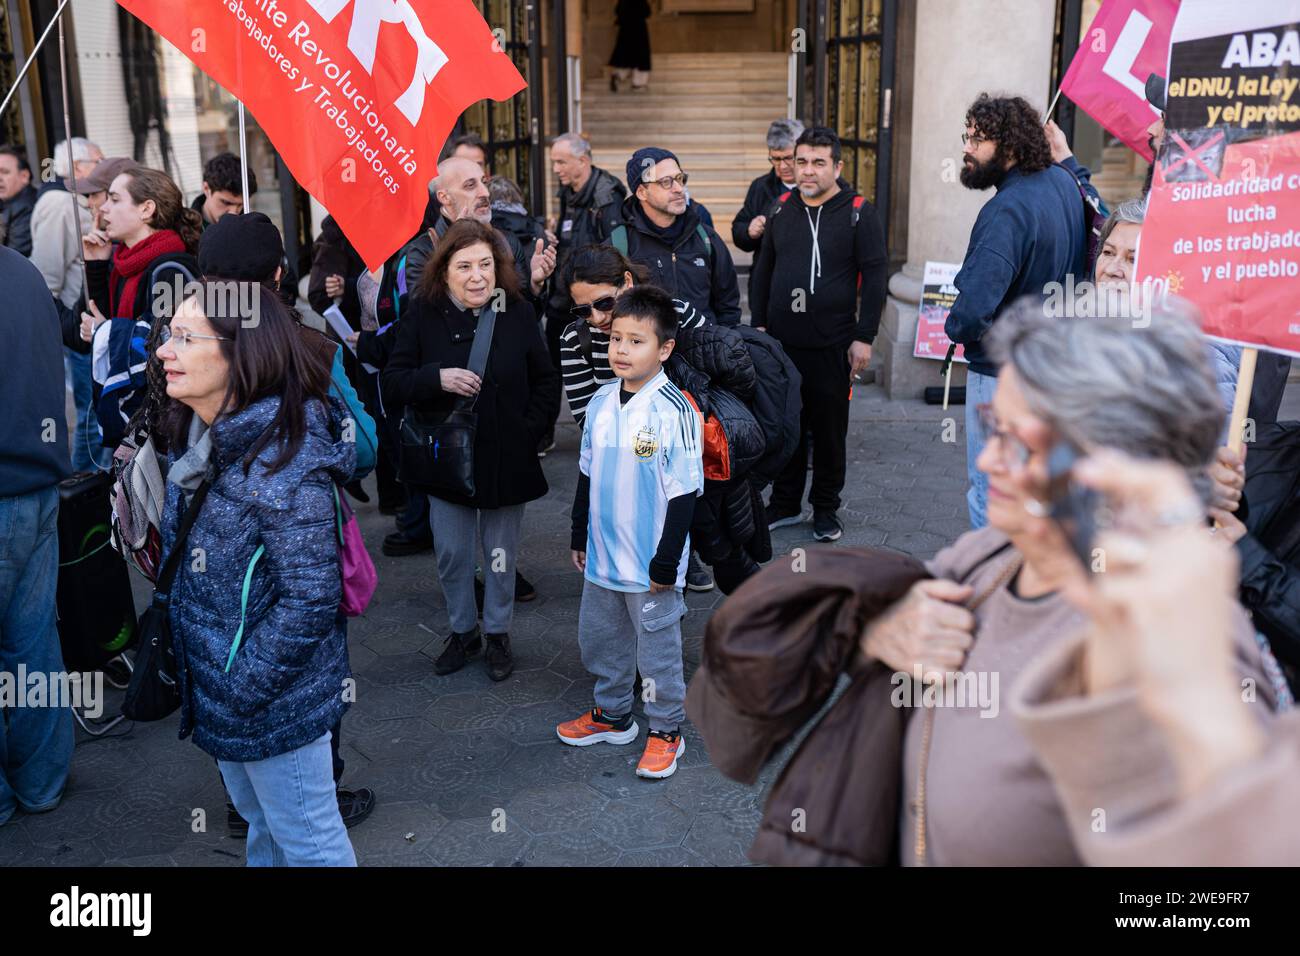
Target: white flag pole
(72, 163)
(243, 155)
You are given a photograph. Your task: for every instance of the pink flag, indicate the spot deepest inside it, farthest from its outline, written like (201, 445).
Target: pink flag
(1127, 42)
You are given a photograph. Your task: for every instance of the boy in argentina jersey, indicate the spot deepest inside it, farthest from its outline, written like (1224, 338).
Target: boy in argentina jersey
(640, 472)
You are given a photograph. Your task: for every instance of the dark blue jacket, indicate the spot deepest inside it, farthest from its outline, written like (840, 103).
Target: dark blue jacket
(33, 429)
(285, 686)
(1029, 234)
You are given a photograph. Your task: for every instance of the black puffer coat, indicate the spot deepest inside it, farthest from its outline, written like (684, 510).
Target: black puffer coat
(776, 403)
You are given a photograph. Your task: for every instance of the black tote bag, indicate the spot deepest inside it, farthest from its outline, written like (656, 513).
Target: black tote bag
(154, 692)
(437, 449)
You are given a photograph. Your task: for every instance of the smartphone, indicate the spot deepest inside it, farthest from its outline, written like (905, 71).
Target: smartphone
(1071, 505)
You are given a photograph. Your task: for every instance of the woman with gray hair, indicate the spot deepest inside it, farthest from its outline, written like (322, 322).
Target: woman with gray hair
(974, 792)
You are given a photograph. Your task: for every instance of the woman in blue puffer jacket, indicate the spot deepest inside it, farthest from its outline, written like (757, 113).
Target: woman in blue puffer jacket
(260, 642)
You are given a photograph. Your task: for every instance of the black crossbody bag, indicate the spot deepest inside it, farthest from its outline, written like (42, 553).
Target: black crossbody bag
(154, 692)
(437, 449)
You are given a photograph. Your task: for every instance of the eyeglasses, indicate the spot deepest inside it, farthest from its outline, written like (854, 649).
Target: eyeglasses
(667, 182)
(971, 139)
(603, 304)
(1015, 453)
(184, 338)
(781, 160)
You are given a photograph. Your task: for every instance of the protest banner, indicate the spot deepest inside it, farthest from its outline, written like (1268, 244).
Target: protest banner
(1127, 41)
(937, 296)
(357, 96)
(1223, 223)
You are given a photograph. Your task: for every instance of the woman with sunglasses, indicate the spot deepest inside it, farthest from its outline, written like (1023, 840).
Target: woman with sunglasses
(596, 275)
(973, 790)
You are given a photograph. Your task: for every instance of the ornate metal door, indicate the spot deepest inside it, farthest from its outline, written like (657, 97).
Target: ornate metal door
(853, 87)
(513, 130)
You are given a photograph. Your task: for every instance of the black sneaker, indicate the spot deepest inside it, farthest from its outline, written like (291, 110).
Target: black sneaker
(698, 577)
(235, 824)
(545, 445)
(826, 526)
(500, 663)
(460, 648)
(356, 491)
(398, 545)
(779, 516)
(355, 805)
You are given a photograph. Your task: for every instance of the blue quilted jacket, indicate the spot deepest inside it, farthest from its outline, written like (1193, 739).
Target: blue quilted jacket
(285, 684)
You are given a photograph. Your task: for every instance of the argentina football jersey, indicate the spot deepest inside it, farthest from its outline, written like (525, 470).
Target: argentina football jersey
(639, 456)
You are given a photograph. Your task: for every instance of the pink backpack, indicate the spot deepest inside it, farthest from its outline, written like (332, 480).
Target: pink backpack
(355, 567)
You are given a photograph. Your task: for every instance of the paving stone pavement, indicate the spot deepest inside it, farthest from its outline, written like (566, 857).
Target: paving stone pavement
(450, 756)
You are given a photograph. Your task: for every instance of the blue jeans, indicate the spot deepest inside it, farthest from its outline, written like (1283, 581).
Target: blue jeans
(35, 742)
(88, 453)
(979, 391)
(291, 808)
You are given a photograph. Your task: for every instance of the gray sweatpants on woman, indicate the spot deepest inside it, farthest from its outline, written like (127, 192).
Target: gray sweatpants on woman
(622, 632)
(458, 532)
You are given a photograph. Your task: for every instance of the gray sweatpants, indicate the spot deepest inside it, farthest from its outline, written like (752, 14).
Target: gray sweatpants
(458, 534)
(622, 632)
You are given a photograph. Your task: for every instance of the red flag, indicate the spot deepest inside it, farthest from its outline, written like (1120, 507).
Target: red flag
(358, 96)
(1127, 42)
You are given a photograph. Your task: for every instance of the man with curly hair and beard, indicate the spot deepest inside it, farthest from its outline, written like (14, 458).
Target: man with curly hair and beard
(1030, 233)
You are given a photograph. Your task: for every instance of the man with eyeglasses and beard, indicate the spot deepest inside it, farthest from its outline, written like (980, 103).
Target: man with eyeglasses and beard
(1030, 233)
(659, 228)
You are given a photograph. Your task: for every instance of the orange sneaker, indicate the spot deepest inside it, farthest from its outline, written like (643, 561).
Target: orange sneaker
(661, 753)
(595, 727)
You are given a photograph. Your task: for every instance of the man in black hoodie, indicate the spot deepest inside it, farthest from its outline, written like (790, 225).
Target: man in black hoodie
(818, 287)
(658, 227)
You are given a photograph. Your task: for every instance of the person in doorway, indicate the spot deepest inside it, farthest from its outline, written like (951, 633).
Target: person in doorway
(631, 56)
(1030, 233)
(818, 287)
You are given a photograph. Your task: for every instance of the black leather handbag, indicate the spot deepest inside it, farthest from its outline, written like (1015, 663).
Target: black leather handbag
(437, 448)
(154, 692)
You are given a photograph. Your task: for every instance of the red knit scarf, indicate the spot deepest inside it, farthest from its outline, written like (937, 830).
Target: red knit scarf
(130, 264)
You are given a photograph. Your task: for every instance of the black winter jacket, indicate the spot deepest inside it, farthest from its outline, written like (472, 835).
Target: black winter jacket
(687, 268)
(517, 405)
(1270, 550)
(763, 191)
(584, 219)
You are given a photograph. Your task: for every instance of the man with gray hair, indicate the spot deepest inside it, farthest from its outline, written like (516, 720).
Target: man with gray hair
(747, 227)
(56, 252)
(589, 198)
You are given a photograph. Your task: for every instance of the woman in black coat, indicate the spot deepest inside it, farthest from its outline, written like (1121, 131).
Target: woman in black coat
(516, 401)
(631, 57)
